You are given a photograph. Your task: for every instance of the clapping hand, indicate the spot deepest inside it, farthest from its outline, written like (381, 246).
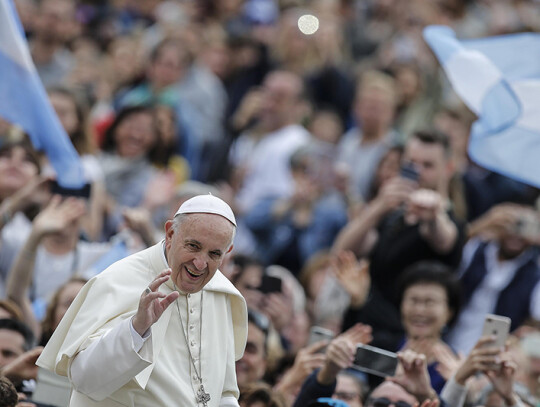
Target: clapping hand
(448, 362)
(153, 303)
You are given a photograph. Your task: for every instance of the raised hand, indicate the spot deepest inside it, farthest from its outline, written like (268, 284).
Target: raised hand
(341, 351)
(278, 307)
(502, 380)
(412, 375)
(424, 205)
(394, 192)
(58, 215)
(448, 362)
(482, 358)
(24, 366)
(153, 303)
(35, 192)
(358, 333)
(353, 275)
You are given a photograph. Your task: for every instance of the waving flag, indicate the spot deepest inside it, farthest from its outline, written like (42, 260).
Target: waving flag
(23, 101)
(498, 78)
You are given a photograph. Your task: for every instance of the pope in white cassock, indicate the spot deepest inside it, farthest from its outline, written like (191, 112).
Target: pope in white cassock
(162, 327)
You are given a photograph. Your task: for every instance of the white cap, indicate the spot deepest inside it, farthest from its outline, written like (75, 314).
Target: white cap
(207, 204)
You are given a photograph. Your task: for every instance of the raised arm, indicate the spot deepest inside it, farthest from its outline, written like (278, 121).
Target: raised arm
(360, 235)
(55, 217)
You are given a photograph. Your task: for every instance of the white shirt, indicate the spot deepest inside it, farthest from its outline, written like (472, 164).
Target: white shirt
(267, 170)
(12, 238)
(468, 328)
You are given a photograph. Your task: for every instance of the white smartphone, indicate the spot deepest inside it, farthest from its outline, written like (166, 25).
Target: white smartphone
(498, 326)
(317, 334)
(376, 361)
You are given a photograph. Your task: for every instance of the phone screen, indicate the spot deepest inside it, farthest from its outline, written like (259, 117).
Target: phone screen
(378, 362)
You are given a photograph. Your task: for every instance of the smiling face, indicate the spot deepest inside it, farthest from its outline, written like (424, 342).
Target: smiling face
(251, 367)
(424, 310)
(430, 161)
(17, 168)
(136, 135)
(195, 245)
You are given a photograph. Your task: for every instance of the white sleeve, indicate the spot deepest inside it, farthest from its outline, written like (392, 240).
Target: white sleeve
(111, 361)
(535, 303)
(228, 402)
(453, 393)
(467, 255)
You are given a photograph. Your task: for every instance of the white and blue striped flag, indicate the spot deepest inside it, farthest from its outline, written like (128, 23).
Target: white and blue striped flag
(23, 101)
(498, 78)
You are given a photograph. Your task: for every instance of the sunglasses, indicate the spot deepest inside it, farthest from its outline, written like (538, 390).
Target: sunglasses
(384, 402)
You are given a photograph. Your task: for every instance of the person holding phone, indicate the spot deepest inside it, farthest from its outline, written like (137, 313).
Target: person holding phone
(408, 221)
(499, 272)
(332, 379)
(429, 301)
(486, 360)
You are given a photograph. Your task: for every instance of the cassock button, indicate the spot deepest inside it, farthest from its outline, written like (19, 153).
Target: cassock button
(191, 327)
(193, 343)
(189, 295)
(192, 310)
(194, 377)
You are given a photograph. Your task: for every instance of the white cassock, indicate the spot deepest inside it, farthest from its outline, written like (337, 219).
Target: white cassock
(115, 367)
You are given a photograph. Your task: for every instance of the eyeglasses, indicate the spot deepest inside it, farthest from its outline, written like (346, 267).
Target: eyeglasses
(384, 402)
(346, 396)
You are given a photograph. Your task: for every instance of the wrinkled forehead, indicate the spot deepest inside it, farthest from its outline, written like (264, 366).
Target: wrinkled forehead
(206, 227)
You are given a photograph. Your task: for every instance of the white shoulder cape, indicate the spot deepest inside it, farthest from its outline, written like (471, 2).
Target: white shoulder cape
(114, 295)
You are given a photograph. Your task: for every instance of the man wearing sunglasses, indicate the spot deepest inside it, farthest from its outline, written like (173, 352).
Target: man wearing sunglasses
(390, 394)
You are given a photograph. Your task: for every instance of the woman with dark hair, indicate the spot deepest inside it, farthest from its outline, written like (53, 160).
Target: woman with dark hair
(429, 300)
(72, 112)
(127, 161)
(60, 302)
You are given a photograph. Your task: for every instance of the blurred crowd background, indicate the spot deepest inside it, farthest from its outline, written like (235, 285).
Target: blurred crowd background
(330, 129)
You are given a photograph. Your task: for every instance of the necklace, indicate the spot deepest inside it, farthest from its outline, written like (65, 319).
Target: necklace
(202, 397)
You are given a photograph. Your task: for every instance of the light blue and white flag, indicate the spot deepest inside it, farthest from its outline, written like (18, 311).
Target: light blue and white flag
(23, 101)
(498, 78)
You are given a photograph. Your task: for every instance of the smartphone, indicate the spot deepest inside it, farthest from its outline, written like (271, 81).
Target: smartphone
(498, 326)
(408, 170)
(317, 334)
(83, 192)
(270, 284)
(376, 361)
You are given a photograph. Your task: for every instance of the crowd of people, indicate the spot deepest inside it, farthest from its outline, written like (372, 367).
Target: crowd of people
(343, 155)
